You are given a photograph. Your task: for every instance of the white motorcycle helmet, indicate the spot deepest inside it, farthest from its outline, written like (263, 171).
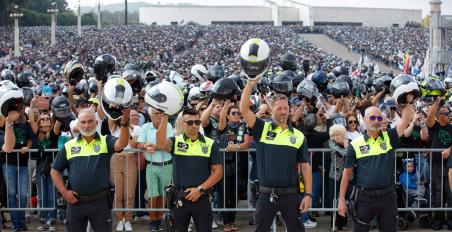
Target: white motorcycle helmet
(11, 98)
(166, 97)
(255, 58)
(194, 92)
(198, 71)
(117, 94)
(400, 94)
(179, 81)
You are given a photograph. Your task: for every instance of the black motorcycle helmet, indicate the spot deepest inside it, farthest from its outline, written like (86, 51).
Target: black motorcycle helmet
(282, 84)
(23, 80)
(92, 86)
(28, 95)
(7, 74)
(74, 72)
(339, 88)
(382, 82)
(359, 87)
(336, 118)
(61, 109)
(340, 70)
(297, 79)
(131, 67)
(215, 73)
(306, 66)
(263, 86)
(79, 89)
(104, 65)
(307, 89)
(321, 80)
(150, 76)
(225, 88)
(400, 80)
(237, 80)
(134, 79)
(288, 62)
(347, 79)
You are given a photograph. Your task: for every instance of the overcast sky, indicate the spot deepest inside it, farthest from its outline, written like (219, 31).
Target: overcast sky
(405, 4)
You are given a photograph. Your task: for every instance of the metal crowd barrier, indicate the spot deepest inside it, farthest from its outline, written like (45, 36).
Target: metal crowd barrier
(323, 200)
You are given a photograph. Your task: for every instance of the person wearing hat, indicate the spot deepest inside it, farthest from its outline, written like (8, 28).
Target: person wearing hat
(281, 150)
(370, 157)
(197, 166)
(87, 160)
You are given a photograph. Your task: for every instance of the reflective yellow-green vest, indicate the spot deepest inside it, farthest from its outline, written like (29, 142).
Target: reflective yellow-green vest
(187, 147)
(292, 138)
(371, 147)
(78, 147)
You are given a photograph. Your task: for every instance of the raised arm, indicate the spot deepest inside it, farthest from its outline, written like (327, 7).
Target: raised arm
(431, 115)
(162, 142)
(223, 114)
(124, 132)
(407, 111)
(247, 114)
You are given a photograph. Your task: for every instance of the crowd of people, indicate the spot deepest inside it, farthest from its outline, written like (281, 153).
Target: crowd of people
(328, 119)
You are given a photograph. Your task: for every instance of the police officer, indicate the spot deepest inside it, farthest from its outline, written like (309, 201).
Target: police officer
(87, 159)
(372, 155)
(280, 147)
(197, 166)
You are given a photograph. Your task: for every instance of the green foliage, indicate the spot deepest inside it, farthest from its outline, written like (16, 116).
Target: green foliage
(65, 18)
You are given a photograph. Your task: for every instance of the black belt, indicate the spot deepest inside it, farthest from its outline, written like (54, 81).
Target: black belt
(279, 191)
(92, 197)
(376, 192)
(160, 163)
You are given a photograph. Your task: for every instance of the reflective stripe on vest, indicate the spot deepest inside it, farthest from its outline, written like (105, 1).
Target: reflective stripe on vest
(78, 148)
(284, 138)
(364, 148)
(190, 148)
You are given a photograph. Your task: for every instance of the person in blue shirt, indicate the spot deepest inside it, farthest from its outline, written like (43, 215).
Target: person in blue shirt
(408, 178)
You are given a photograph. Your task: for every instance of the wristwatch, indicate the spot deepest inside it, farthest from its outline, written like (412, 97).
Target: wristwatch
(308, 195)
(201, 189)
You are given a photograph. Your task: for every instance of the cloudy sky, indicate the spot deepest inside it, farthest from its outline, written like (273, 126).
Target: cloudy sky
(406, 4)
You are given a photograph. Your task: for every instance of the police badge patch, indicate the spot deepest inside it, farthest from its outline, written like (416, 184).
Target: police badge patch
(364, 149)
(183, 147)
(75, 150)
(96, 148)
(293, 139)
(270, 135)
(204, 149)
(383, 146)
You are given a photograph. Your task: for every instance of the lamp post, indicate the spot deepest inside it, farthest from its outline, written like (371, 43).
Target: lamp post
(16, 14)
(79, 21)
(98, 16)
(53, 10)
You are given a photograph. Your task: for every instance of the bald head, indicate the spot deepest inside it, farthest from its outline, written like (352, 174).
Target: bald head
(373, 110)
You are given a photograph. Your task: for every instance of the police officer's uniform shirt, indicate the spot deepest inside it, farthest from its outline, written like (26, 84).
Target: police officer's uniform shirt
(373, 159)
(192, 160)
(88, 164)
(278, 153)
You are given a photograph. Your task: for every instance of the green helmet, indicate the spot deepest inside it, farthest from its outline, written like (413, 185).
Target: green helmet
(432, 87)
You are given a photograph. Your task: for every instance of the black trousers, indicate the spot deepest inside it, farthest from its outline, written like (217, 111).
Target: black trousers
(439, 188)
(201, 211)
(98, 213)
(288, 205)
(384, 207)
(229, 198)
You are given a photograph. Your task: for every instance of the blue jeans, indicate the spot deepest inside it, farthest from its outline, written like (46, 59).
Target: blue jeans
(46, 194)
(16, 178)
(316, 189)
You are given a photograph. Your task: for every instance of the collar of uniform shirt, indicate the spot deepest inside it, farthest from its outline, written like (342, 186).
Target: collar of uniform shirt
(380, 135)
(274, 126)
(96, 136)
(200, 137)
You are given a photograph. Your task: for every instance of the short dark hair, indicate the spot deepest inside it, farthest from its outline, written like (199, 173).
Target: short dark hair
(232, 107)
(190, 111)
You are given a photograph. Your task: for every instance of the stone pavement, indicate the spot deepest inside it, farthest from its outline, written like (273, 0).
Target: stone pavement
(327, 44)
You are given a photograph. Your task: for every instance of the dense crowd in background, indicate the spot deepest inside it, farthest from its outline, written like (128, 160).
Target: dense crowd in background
(161, 49)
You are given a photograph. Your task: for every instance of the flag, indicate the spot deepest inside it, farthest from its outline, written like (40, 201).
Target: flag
(356, 73)
(406, 67)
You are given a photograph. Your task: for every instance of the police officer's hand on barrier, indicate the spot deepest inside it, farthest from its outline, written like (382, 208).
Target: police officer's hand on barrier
(305, 204)
(342, 208)
(70, 196)
(193, 194)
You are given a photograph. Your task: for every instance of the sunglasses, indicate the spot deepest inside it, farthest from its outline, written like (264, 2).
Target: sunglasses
(378, 118)
(445, 113)
(236, 113)
(352, 122)
(191, 122)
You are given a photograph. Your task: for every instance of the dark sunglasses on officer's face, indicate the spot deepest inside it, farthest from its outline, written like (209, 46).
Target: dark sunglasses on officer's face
(378, 118)
(191, 122)
(445, 113)
(235, 113)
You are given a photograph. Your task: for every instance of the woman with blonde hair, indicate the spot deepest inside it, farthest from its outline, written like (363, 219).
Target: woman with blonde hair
(338, 144)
